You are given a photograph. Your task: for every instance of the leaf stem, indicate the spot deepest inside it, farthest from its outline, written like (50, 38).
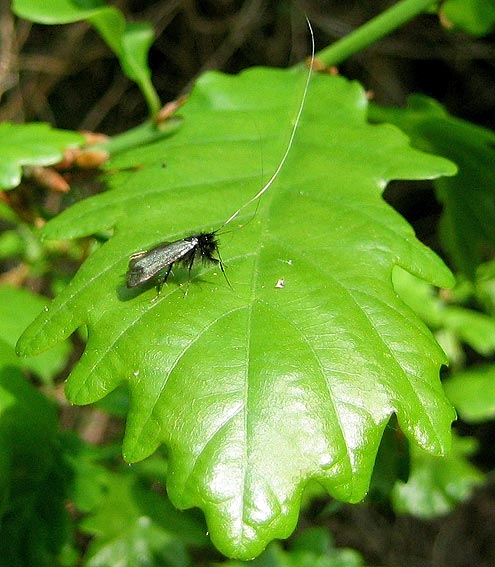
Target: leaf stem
(373, 30)
(151, 96)
(143, 134)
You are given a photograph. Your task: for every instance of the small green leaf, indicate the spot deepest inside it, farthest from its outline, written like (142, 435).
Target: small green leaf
(129, 41)
(30, 145)
(471, 327)
(468, 230)
(89, 478)
(142, 544)
(476, 17)
(473, 393)
(257, 389)
(133, 527)
(56, 11)
(437, 484)
(18, 308)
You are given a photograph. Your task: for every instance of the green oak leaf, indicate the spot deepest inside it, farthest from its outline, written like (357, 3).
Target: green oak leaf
(468, 228)
(30, 145)
(258, 388)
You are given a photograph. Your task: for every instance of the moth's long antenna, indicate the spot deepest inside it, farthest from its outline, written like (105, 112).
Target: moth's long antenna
(269, 183)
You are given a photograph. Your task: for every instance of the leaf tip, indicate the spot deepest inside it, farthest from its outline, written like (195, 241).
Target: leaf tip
(26, 344)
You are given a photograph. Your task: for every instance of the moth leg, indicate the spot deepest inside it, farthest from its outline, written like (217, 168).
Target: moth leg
(219, 262)
(190, 263)
(163, 279)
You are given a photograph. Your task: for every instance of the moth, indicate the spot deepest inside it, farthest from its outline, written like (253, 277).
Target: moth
(159, 261)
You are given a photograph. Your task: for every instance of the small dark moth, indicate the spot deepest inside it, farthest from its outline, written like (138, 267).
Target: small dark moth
(157, 263)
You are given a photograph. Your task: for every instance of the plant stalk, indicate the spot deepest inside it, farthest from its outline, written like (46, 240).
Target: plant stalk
(373, 30)
(141, 135)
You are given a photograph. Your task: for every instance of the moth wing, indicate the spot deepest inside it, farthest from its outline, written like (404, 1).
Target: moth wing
(145, 265)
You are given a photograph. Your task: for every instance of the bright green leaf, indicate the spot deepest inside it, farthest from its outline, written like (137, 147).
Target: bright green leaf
(18, 307)
(437, 484)
(468, 227)
(56, 11)
(473, 393)
(30, 145)
(259, 388)
(129, 41)
(476, 17)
